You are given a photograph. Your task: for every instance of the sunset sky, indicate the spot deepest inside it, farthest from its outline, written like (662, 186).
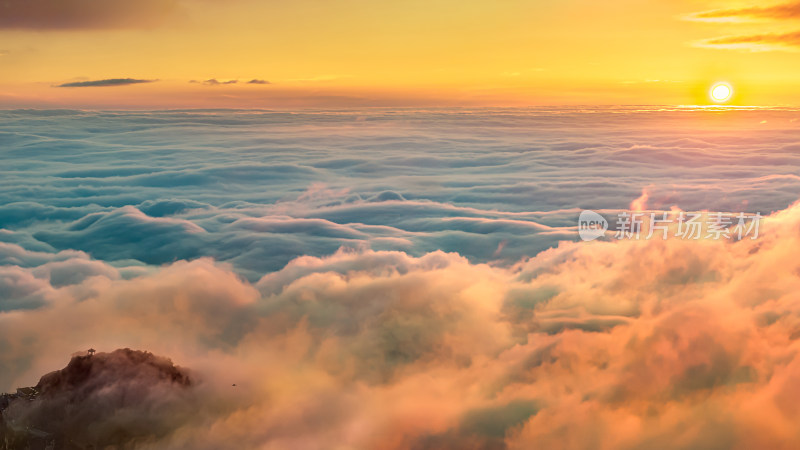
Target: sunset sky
(395, 225)
(414, 53)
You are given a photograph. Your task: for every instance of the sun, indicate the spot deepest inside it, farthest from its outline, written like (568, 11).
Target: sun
(721, 92)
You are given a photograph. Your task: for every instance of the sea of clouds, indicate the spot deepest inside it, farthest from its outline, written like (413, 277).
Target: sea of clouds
(411, 278)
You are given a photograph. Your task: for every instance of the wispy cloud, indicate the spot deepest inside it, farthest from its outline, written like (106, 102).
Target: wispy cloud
(257, 81)
(106, 82)
(83, 14)
(214, 82)
(755, 43)
(783, 11)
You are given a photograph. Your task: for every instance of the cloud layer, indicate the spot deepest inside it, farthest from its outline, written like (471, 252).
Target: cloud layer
(619, 344)
(410, 279)
(258, 189)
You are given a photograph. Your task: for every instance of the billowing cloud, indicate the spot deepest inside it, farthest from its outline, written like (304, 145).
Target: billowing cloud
(83, 14)
(781, 11)
(758, 42)
(617, 344)
(407, 182)
(106, 82)
(408, 279)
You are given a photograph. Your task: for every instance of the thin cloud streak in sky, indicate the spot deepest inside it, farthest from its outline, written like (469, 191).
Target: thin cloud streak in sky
(215, 82)
(105, 83)
(755, 43)
(784, 11)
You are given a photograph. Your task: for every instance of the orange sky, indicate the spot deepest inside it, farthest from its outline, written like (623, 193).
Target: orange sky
(325, 53)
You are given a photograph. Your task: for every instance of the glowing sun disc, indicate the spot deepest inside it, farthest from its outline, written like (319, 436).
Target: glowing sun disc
(721, 92)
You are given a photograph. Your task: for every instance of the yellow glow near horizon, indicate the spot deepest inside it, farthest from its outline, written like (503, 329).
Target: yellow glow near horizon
(721, 92)
(361, 52)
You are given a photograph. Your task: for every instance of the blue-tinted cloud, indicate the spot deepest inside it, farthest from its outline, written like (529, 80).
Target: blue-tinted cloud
(258, 189)
(410, 277)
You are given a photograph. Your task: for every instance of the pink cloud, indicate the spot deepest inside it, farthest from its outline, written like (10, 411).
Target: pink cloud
(588, 345)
